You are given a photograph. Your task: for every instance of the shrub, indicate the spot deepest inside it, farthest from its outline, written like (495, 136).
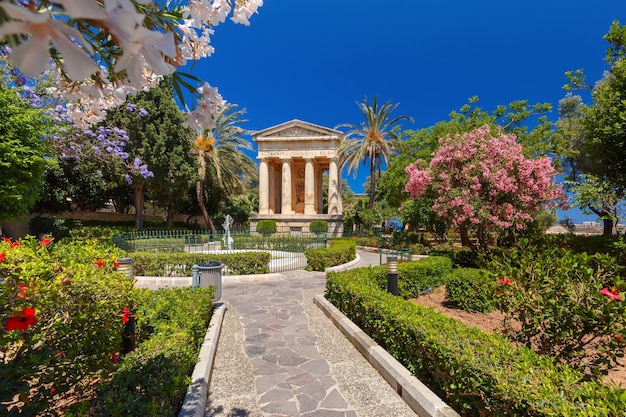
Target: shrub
(152, 380)
(266, 227)
(61, 312)
(318, 226)
(179, 264)
(461, 258)
(568, 305)
(471, 289)
(339, 252)
(424, 274)
(480, 374)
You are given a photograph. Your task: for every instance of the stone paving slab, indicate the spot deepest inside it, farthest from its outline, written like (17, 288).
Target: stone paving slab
(279, 356)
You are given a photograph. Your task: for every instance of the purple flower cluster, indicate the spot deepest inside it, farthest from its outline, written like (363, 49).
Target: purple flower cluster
(142, 169)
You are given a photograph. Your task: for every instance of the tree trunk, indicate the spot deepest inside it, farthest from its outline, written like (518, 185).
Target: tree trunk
(170, 214)
(606, 221)
(608, 227)
(370, 205)
(205, 214)
(138, 202)
(464, 234)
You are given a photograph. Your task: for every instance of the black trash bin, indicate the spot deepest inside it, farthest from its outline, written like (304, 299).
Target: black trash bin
(208, 274)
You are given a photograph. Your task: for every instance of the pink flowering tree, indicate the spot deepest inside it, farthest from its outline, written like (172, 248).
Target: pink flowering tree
(485, 184)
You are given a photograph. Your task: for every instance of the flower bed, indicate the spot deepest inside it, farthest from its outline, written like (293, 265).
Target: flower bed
(66, 315)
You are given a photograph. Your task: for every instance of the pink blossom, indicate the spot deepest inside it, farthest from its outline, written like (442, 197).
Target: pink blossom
(612, 294)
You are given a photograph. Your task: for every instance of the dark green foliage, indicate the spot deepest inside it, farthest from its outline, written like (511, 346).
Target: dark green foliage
(22, 152)
(318, 226)
(418, 276)
(340, 252)
(461, 258)
(266, 227)
(471, 289)
(179, 264)
(70, 182)
(479, 374)
(152, 380)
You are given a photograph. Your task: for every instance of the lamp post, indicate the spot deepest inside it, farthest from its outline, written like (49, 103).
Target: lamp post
(392, 274)
(127, 267)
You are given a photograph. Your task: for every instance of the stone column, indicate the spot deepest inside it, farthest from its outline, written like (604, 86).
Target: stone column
(333, 187)
(309, 187)
(319, 197)
(286, 188)
(264, 194)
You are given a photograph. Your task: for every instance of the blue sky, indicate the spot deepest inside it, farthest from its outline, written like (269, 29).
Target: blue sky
(312, 60)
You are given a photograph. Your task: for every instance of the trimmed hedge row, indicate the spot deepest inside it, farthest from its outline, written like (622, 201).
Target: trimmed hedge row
(471, 289)
(179, 264)
(426, 274)
(152, 380)
(340, 252)
(479, 374)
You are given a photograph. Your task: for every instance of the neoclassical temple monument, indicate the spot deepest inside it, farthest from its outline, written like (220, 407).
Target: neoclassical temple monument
(293, 157)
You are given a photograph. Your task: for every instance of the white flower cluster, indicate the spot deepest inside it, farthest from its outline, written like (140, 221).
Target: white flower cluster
(107, 51)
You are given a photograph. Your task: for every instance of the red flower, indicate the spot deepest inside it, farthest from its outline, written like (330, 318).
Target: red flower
(505, 281)
(22, 321)
(22, 292)
(612, 294)
(6, 239)
(15, 245)
(125, 315)
(45, 241)
(2, 256)
(116, 264)
(99, 263)
(114, 356)
(53, 389)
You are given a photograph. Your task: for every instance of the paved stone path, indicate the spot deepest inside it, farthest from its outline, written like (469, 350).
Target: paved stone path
(278, 355)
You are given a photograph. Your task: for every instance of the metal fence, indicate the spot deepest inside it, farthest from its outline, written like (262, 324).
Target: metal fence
(287, 251)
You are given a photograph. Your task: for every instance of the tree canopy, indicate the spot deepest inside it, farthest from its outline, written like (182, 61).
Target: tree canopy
(158, 146)
(22, 154)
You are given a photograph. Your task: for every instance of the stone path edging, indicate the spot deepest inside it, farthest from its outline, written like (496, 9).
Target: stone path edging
(197, 392)
(417, 395)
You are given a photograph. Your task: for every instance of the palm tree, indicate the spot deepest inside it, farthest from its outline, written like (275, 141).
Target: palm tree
(372, 142)
(221, 160)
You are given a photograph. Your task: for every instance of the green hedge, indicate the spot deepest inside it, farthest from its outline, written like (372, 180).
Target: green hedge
(461, 258)
(152, 380)
(318, 226)
(179, 264)
(425, 274)
(471, 289)
(266, 227)
(476, 372)
(340, 252)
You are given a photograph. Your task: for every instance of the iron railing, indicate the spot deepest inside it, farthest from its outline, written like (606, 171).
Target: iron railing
(287, 251)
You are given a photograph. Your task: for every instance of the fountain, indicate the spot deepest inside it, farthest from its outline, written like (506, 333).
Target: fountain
(228, 240)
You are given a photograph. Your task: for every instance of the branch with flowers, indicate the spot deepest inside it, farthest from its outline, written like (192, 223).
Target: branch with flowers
(99, 51)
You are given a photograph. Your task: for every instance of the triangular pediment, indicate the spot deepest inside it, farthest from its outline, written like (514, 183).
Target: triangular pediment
(297, 129)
